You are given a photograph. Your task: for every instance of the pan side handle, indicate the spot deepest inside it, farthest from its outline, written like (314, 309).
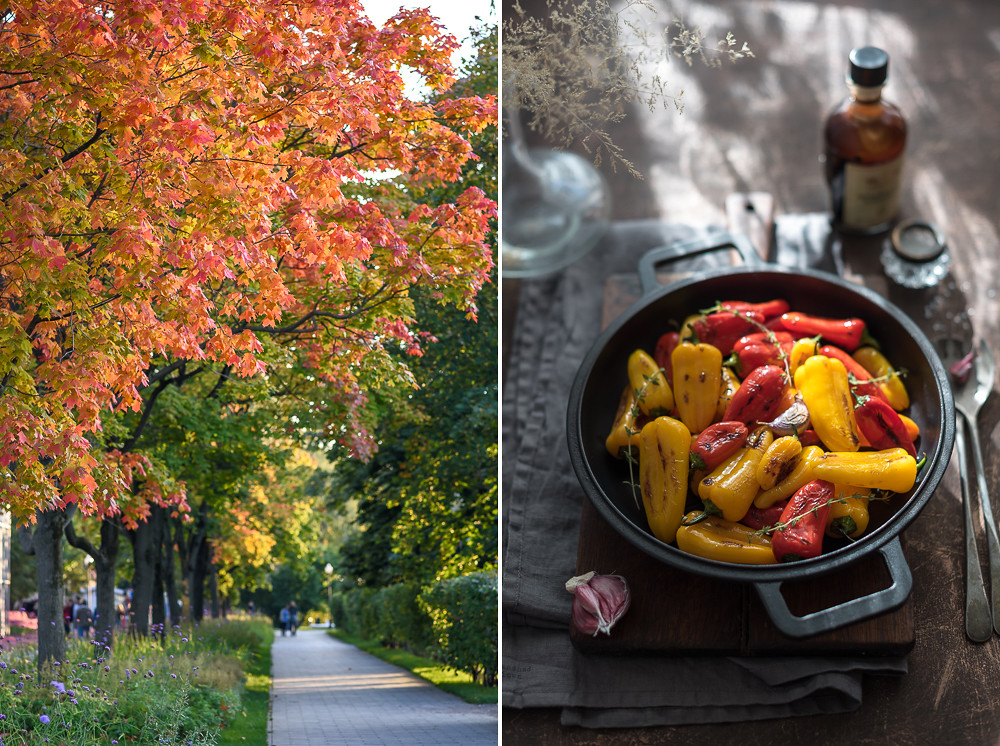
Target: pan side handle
(846, 613)
(654, 258)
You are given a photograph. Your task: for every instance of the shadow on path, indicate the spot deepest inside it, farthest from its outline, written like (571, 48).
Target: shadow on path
(326, 692)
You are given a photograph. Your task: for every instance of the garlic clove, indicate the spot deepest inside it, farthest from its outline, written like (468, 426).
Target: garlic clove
(599, 601)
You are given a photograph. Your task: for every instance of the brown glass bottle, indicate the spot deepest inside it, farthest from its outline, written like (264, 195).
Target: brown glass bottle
(865, 139)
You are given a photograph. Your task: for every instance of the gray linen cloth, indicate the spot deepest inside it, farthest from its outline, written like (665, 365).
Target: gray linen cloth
(558, 319)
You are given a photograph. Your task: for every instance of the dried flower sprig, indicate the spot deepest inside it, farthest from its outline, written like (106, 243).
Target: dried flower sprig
(575, 72)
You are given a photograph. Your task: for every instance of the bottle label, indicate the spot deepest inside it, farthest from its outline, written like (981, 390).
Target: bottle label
(871, 193)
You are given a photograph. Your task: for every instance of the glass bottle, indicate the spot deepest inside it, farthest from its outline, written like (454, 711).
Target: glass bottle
(865, 137)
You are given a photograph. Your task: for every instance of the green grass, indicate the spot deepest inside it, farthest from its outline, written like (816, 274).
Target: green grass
(444, 677)
(250, 724)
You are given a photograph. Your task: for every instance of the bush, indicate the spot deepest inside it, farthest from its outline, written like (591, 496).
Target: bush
(464, 613)
(400, 622)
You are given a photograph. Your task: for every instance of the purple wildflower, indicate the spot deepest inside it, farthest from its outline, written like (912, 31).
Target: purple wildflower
(59, 686)
(44, 719)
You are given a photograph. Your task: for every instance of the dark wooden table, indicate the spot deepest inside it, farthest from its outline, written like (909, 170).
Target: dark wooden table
(755, 126)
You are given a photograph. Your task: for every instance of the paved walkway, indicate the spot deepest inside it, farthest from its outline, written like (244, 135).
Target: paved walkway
(326, 693)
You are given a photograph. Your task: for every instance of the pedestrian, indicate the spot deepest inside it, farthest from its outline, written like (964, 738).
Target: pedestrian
(293, 617)
(83, 619)
(68, 616)
(285, 616)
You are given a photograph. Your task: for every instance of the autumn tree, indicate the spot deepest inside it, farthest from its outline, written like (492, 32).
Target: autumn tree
(181, 181)
(427, 502)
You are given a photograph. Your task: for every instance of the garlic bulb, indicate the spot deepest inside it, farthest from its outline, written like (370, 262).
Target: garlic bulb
(599, 601)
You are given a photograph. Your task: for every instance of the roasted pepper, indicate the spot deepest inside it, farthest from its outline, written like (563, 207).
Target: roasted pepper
(882, 426)
(803, 523)
(722, 329)
(727, 390)
(760, 518)
(847, 333)
(886, 376)
(715, 538)
(652, 390)
(661, 353)
(760, 348)
(823, 383)
(769, 309)
(801, 473)
(893, 469)
(912, 428)
(778, 461)
(860, 379)
(732, 486)
(697, 380)
(758, 397)
(716, 443)
(803, 349)
(628, 422)
(664, 445)
(848, 512)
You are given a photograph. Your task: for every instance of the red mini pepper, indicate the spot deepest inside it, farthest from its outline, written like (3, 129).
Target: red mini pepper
(881, 425)
(760, 348)
(722, 329)
(759, 396)
(847, 333)
(860, 379)
(661, 354)
(770, 308)
(803, 522)
(716, 443)
(758, 518)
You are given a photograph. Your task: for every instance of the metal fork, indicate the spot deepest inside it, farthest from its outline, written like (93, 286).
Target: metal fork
(981, 616)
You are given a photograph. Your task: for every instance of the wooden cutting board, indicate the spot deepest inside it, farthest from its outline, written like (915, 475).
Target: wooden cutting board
(675, 612)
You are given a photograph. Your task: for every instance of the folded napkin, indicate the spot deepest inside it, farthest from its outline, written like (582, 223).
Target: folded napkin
(558, 319)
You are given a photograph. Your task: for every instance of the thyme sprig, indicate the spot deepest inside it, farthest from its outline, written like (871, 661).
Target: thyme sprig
(876, 496)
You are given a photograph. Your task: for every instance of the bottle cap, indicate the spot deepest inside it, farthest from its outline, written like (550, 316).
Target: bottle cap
(869, 66)
(918, 240)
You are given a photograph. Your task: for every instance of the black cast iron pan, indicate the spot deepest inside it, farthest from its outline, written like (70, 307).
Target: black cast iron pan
(602, 375)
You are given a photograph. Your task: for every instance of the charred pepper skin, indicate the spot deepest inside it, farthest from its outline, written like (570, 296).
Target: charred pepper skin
(803, 523)
(882, 426)
(859, 379)
(654, 394)
(716, 443)
(697, 380)
(893, 469)
(758, 397)
(715, 538)
(822, 382)
(664, 446)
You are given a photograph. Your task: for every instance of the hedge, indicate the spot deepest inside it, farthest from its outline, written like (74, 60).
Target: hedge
(454, 620)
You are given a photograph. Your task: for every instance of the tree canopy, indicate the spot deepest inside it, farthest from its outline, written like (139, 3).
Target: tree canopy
(235, 187)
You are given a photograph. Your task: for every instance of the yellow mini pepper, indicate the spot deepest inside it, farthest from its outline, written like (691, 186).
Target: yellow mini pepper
(802, 350)
(778, 461)
(888, 379)
(664, 446)
(848, 514)
(624, 431)
(697, 381)
(733, 485)
(822, 382)
(801, 474)
(891, 469)
(716, 538)
(652, 390)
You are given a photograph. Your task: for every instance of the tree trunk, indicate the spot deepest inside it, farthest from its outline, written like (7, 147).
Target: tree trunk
(105, 564)
(46, 543)
(183, 560)
(167, 571)
(159, 617)
(198, 572)
(142, 581)
(213, 580)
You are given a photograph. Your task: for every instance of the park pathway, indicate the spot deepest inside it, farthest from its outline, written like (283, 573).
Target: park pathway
(325, 693)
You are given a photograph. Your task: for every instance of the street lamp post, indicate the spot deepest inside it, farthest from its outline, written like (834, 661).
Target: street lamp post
(329, 594)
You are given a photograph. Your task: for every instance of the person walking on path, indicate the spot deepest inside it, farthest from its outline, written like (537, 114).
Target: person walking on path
(293, 617)
(324, 691)
(283, 617)
(82, 619)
